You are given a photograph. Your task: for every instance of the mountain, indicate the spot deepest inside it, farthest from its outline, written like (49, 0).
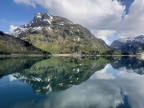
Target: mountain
(59, 35)
(12, 45)
(131, 45)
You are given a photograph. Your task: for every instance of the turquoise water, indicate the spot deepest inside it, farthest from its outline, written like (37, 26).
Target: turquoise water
(63, 82)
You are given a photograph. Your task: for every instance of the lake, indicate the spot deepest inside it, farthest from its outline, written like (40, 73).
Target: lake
(66, 82)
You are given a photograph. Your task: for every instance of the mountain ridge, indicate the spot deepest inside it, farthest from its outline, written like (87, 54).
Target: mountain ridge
(59, 35)
(130, 45)
(12, 45)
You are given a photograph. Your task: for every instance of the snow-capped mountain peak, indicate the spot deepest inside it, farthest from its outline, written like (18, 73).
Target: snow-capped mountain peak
(133, 39)
(38, 15)
(126, 39)
(42, 17)
(40, 21)
(130, 45)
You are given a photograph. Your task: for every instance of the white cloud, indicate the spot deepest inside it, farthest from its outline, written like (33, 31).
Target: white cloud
(12, 28)
(103, 34)
(27, 2)
(133, 23)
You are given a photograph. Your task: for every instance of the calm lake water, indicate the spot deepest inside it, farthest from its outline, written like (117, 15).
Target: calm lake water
(63, 82)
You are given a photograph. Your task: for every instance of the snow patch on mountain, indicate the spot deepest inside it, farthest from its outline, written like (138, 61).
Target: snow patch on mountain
(131, 45)
(126, 39)
(38, 15)
(37, 28)
(142, 56)
(18, 30)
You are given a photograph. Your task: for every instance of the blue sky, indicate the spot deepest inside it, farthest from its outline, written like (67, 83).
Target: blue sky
(127, 3)
(15, 14)
(19, 12)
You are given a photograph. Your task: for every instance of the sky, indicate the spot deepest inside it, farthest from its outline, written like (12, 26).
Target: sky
(106, 19)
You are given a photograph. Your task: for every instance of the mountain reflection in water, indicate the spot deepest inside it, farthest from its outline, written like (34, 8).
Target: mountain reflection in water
(64, 82)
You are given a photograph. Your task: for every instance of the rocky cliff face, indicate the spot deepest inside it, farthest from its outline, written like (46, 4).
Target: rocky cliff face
(59, 35)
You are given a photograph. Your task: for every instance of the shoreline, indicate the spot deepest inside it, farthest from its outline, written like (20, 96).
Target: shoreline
(25, 55)
(65, 55)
